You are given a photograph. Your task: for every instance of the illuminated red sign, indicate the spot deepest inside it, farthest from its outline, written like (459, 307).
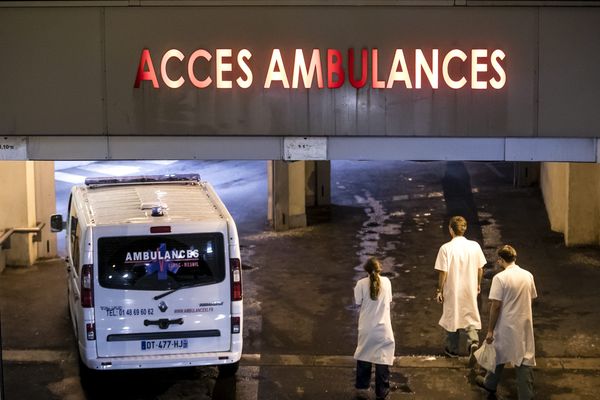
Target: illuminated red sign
(486, 69)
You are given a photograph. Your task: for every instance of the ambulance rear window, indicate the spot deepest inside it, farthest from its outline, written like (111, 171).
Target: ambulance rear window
(161, 262)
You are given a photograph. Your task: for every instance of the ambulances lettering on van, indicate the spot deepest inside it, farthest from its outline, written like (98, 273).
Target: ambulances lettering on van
(154, 274)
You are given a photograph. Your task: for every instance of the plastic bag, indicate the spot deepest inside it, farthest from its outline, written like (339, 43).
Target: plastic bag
(486, 356)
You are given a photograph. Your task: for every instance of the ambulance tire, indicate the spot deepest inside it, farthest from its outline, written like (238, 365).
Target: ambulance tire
(87, 377)
(227, 370)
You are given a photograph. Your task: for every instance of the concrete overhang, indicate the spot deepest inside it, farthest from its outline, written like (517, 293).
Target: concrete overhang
(299, 148)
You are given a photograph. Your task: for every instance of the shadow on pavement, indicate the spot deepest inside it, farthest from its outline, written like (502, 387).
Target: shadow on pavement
(203, 382)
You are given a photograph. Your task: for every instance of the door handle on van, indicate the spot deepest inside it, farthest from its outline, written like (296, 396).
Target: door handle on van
(163, 323)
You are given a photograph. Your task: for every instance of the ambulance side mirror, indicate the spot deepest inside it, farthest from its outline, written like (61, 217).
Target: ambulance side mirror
(56, 223)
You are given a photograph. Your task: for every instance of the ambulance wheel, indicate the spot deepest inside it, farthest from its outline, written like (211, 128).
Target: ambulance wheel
(226, 370)
(87, 377)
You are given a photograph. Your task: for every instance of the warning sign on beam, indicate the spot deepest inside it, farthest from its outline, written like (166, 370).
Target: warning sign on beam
(305, 148)
(13, 148)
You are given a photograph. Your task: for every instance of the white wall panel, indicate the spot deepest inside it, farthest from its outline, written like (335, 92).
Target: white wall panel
(416, 149)
(196, 148)
(549, 149)
(337, 148)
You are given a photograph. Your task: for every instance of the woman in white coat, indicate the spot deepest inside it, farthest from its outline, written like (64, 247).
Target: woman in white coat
(375, 336)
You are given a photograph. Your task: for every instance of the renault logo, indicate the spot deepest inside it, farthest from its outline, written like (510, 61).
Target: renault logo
(162, 306)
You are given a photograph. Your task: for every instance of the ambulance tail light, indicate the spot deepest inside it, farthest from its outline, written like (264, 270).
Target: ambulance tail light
(90, 330)
(236, 279)
(235, 324)
(87, 287)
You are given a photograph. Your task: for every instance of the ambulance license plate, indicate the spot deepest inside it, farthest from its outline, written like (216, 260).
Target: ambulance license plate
(168, 344)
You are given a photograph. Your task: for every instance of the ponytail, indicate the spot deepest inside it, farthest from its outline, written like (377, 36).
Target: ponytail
(375, 285)
(373, 268)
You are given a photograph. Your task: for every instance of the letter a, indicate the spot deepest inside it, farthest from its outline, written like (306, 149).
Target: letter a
(142, 74)
(279, 75)
(396, 75)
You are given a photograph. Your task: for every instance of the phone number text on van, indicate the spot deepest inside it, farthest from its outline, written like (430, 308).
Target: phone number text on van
(119, 311)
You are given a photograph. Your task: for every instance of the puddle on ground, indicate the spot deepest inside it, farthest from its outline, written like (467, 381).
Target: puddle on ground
(582, 259)
(390, 246)
(265, 235)
(400, 383)
(403, 296)
(490, 230)
(370, 235)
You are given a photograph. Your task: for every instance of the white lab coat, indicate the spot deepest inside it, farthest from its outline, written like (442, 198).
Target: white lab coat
(461, 259)
(513, 334)
(375, 336)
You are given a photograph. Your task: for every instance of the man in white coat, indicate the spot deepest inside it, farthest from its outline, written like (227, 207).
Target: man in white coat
(511, 324)
(460, 265)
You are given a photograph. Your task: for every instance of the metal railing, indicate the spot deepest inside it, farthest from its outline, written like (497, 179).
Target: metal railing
(5, 237)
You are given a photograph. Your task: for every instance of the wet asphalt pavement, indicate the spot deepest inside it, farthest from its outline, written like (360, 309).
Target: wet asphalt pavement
(300, 324)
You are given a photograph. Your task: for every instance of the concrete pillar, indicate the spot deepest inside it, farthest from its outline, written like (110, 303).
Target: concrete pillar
(318, 183)
(554, 181)
(582, 225)
(572, 197)
(287, 198)
(27, 197)
(45, 206)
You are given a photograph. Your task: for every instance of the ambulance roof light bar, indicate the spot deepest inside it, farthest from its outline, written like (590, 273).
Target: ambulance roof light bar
(142, 179)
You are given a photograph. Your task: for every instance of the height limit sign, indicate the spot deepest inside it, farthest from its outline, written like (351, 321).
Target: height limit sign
(13, 148)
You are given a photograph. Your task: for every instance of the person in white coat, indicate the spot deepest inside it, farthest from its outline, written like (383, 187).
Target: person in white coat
(510, 327)
(376, 343)
(460, 265)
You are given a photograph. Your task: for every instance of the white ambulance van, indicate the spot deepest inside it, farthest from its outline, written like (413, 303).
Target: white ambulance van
(154, 274)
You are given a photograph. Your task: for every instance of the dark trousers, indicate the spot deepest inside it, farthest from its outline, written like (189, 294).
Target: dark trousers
(382, 378)
(524, 380)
